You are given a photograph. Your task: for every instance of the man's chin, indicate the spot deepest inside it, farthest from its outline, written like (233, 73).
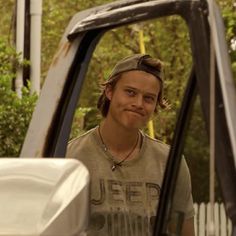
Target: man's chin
(135, 125)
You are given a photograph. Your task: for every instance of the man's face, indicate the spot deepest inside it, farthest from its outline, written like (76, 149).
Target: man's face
(133, 100)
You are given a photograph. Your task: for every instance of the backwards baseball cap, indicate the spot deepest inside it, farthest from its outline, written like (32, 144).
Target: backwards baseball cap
(141, 62)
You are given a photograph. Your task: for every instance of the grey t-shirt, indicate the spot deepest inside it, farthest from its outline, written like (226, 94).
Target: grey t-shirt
(124, 201)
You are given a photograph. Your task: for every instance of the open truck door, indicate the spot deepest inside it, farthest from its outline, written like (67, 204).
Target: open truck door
(49, 130)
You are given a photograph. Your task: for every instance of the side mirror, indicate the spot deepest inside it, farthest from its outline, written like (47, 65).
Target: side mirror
(40, 197)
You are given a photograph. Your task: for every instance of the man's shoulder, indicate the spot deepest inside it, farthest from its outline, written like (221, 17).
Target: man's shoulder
(83, 137)
(156, 143)
(81, 144)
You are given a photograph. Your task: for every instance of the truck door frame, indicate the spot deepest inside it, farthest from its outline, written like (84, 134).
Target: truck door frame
(70, 64)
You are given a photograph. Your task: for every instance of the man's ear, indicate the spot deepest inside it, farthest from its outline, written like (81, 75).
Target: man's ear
(109, 92)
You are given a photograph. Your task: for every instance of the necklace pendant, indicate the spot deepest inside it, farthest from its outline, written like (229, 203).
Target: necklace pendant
(104, 147)
(113, 167)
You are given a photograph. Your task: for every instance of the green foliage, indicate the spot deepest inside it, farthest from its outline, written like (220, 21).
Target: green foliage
(229, 15)
(15, 113)
(6, 24)
(196, 152)
(78, 122)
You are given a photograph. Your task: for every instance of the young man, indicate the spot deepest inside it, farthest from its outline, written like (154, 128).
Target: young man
(126, 166)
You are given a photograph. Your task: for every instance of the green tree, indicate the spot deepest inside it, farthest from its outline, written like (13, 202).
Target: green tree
(229, 14)
(7, 9)
(15, 113)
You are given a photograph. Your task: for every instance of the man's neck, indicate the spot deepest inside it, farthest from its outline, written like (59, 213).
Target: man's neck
(118, 139)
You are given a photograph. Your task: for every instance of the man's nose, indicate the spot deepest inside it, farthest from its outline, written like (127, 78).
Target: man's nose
(138, 101)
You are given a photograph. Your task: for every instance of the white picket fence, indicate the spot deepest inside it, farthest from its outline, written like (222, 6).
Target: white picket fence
(223, 226)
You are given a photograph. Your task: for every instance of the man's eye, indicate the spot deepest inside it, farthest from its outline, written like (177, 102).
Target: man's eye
(130, 92)
(149, 99)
